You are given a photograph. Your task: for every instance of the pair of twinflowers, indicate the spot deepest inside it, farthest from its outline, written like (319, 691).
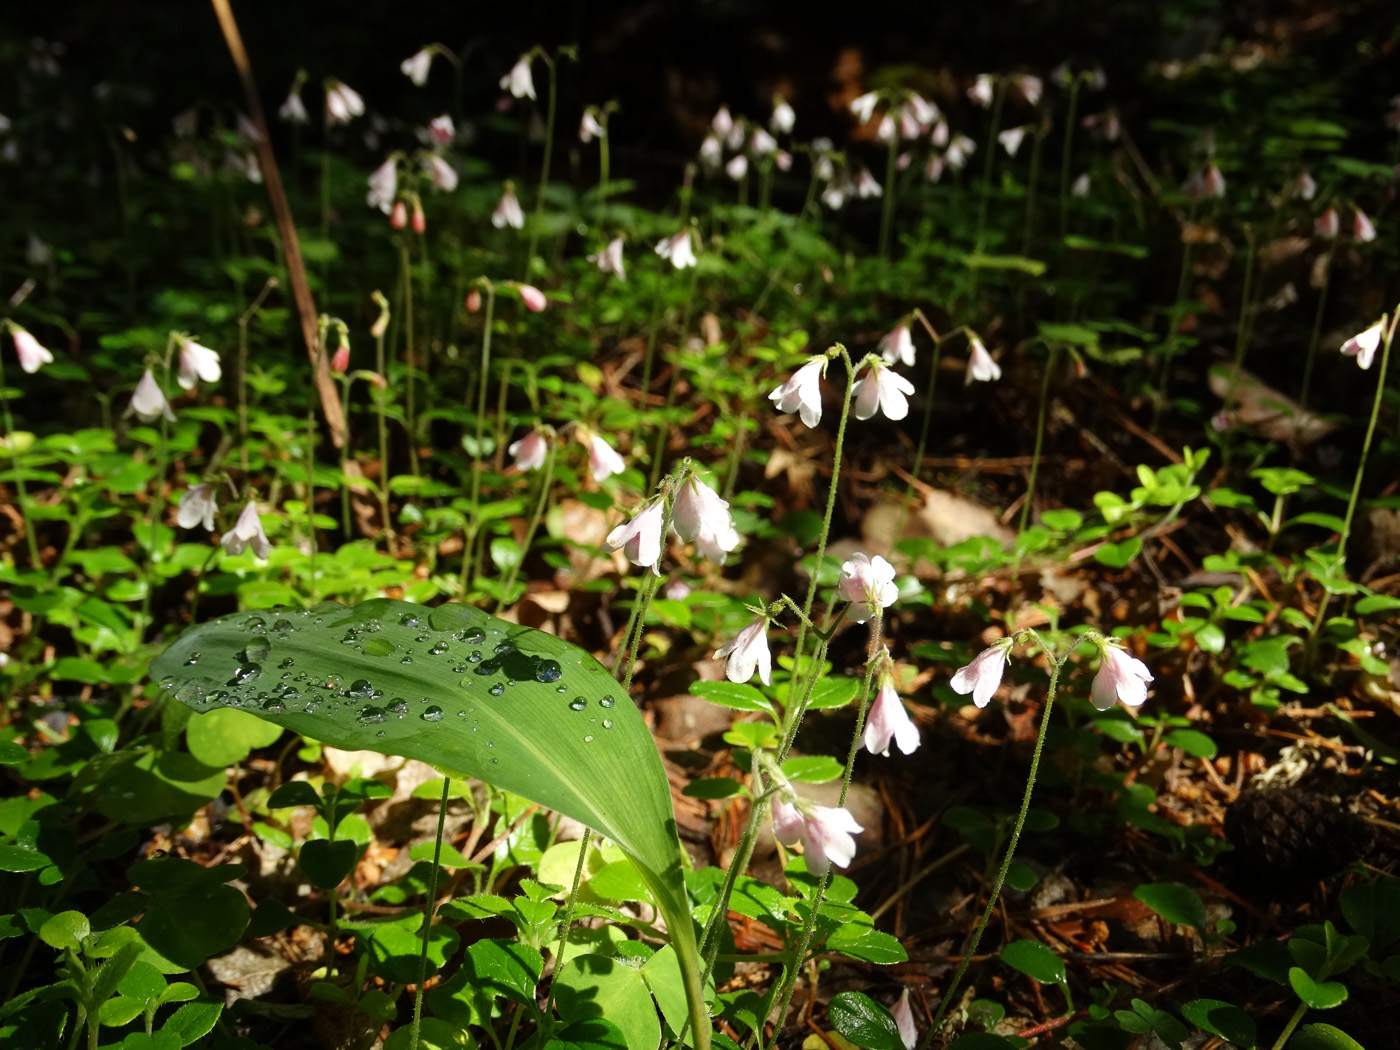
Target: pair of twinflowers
(148, 400)
(897, 345)
(198, 507)
(698, 515)
(1120, 676)
(877, 390)
(531, 451)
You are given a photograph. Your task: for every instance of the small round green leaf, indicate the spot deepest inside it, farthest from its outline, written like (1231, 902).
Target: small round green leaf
(67, 929)
(1176, 903)
(1319, 995)
(864, 1022)
(1034, 960)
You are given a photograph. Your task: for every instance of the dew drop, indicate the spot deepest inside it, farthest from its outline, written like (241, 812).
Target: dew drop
(406, 660)
(194, 659)
(475, 657)
(255, 623)
(257, 649)
(371, 716)
(548, 671)
(360, 689)
(578, 703)
(288, 662)
(498, 689)
(588, 739)
(274, 705)
(409, 620)
(432, 714)
(606, 701)
(607, 723)
(399, 706)
(334, 681)
(245, 675)
(283, 626)
(438, 649)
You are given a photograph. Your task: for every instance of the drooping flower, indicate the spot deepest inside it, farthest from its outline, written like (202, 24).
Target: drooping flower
(197, 507)
(1328, 224)
(532, 297)
(603, 459)
(31, 353)
(881, 389)
(678, 249)
(1080, 188)
(921, 109)
(784, 118)
(420, 221)
(589, 128)
(897, 345)
(398, 215)
(748, 652)
(640, 538)
(1205, 182)
(343, 103)
(340, 360)
(292, 109)
(1361, 227)
(1363, 345)
(1011, 140)
(444, 175)
(1120, 677)
(762, 143)
(148, 400)
(701, 517)
(417, 65)
(711, 152)
(508, 211)
(958, 152)
(197, 362)
(384, 186)
(737, 167)
(980, 366)
(886, 130)
(530, 451)
(801, 393)
(442, 130)
(866, 186)
(868, 584)
(863, 107)
(938, 136)
(1304, 187)
(247, 532)
(933, 170)
(722, 123)
(519, 81)
(982, 92)
(982, 677)
(827, 834)
(610, 259)
(1031, 87)
(888, 719)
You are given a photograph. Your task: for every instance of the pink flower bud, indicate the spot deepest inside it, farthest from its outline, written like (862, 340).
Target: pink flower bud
(420, 221)
(398, 218)
(473, 301)
(340, 361)
(532, 297)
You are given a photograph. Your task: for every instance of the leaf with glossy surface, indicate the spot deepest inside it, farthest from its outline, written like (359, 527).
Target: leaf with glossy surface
(864, 1022)
(465, 692)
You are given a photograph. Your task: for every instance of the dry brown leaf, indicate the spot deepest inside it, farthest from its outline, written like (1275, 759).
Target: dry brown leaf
(1271, 412)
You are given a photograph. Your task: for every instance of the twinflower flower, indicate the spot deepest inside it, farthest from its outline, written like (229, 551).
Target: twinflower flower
(247, 532)
(508, 211)
(868, 584)
(980, 366)
(748, 652)
(701, 517)
(519, 81)
(343, 103)
(640, 538)
(1363, 345)
(1362, 228)
(827, 834)
(783, 118)
(197, 507)
(881, 389)
(802, 392)
(897, 345)
(1120, 677)
(603, 460)
(530, 451)
(196, 363)
(888, 719)
(416, 66)
(384, 186)
(982, 677)
(148, 400)
(31, 353)
(678, 249)
(610, 260)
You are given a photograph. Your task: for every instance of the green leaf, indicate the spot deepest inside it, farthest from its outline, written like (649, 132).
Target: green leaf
(1118, 555)
(868, 945)
(222, 737)
(593, 1033)
(813, 769)
(504, 968)
(597, 986)
(1035, 960)
(325, 863)
(833, 691)
(1132, 251)
(193, 1021)
(864, 1022)
(517, 707)
(1192, 741)
(1319, 995)
(713, 787)
(1223, 1019)
(981, 261)
(433, 1034)
(1322, 1037)
(188, 926)
(1176, 903)
(1373, 909)
(737, 695)
(66, 930)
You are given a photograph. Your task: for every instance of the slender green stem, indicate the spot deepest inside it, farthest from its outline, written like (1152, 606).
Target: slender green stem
(154, 513)
(544, 164)
(545, 482)
(663, 431)
(645, 594)
(1314, 338)
(428, 918)
(971, 949)
(887, 205)
(1039, 437)
(381, 397)
(1032, 185)
(603, 164)
(568, 919)
(1242, 328)
(410, 381)
(16, 463)
(1298, 1012)
(481, 384)
(922, 447)
(1065, 155)
(1174, 322)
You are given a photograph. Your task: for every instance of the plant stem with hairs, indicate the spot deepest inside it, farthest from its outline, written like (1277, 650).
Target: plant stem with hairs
(1039, 436)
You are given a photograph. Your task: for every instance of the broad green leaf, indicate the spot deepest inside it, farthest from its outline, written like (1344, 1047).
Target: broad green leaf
(1034, 960)
(1176, 903)
(1223, 1019)
(1322, 1037)
(193, 1021)
(67, 929)
(864, 1022)
(597, 986)
(1320, 995)
(737, 695)
(465, 692)
(224, 736)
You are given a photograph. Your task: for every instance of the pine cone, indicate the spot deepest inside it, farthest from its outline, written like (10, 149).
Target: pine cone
(1293, 837)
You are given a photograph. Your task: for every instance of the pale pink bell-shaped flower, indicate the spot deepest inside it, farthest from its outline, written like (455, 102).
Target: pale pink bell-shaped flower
(1327, 224)
(711, 152)
(897, 345)
(148, 400)
(938, 136)
(783, 119)
(902, 1013)
(888, 720)
(835, 194)
(247, 532)
(1213, 182)
(197, 507)
(678, 249)
(1304, 187)
(737, 167)
(519, 81)
(532, 297)
(441, 130)
(886, 130)
(868, 584)
(1031, 87)
(787, 822)
(980, 366)
(828, 837)
(293, 110)
(417, 65)
(748, 652)
(589, 128)
(722, 123)
(197, 362)
(866, 186)
(508, 211)
(802, 393)
(1120, 677)
(530, 451)
(881, 389)
(31, 353)
(921, 109)
(982, 91)
(640, 538)
(444, 176)
(610, 259)
(1080, 188)
(982, 677)
(863, 107)
(343, 103)
(958, 152)
(1011, 140)
(762, 143)
(677, 590)
(716, 545)
(909, 126)
(697, 508)
(603, 459)
(933, 170)
(384, 186)
(1361, 227)
(1363, 345)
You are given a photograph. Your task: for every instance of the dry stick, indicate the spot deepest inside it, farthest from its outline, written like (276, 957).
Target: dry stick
(331, 407)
